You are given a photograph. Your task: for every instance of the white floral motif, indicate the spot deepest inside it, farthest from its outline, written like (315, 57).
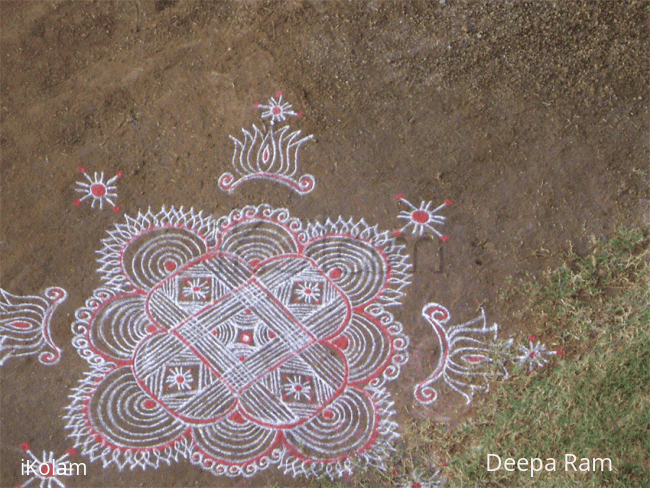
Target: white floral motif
(269, 154)
(276, 110)
(535, 355)
(25, 325)
(98, 190)
(268, 376)
(47, 470)
(179, 378)
(423, 218)
(195, 289)
(466, 351)
(471, 350)
(308, 292)
(297, 388)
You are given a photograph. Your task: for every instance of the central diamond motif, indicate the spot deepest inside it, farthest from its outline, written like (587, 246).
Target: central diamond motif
(247, 336)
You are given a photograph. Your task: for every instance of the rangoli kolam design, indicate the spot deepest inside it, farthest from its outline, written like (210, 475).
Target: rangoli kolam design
(25, 325)
(269, 154)
(240, 343)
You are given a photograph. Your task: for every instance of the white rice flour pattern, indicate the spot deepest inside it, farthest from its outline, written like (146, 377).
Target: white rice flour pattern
(270, 154)
(47, 471)
(25, 325)
(97, 190)
(423, 219)
(534, 356)
(466, 352)
(241, 343)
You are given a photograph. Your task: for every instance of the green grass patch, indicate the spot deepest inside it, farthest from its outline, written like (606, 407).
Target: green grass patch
(593, 403)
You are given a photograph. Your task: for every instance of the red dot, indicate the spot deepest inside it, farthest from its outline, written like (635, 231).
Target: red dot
(46, 470)
(271, 335)
(444, 238)
(447, 203)
(415, 484)
(117, 208)
(420, 216)
(254, 262)
(328, 414)
(341, 342)
(242, 358)
(531, 338)
(277, 110)
(298, 388)
(397, 233)
(149, 404)
(77, 202)
(170, 265)
(119, 174)
(299, 114)
(336, 273)
(278, 94)
(400, 196)
(21, 325)
(533, 355)
(180, 379)
(25, 446)
(151, 328)
(72, 451)
(98, 190)
(560, 352)
(237, 417)
(247, 312)
(81, 169)
(256, 105)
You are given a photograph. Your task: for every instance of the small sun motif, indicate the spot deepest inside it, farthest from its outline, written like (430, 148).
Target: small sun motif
(535, 355)
(179, 378)
(297, 388)
(308, 292)
(276, 110)
(47, 470)
(98, 190)
(196, 289)
(422, 219)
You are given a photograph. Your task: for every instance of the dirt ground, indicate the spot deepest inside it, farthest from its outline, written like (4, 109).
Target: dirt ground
(532, 117)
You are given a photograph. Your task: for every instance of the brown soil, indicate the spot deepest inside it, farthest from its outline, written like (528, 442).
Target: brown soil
(532, 117)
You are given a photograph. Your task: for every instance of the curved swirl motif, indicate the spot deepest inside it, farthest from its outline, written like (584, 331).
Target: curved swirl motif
(25, 325)
(226, 181)
(239, 344)
(306, 183)
(464, 355)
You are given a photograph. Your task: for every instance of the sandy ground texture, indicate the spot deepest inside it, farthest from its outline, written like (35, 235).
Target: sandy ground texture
(531, 117)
